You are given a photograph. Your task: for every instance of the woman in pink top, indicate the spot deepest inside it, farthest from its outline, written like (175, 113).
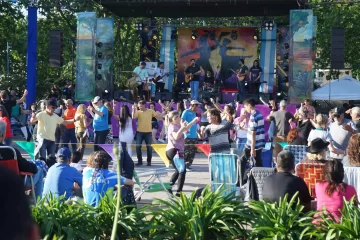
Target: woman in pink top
(330, 194)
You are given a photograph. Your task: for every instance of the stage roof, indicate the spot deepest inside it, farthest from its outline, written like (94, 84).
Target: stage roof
(200, 8)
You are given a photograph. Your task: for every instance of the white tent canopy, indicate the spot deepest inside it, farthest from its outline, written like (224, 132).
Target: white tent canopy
(342, 89)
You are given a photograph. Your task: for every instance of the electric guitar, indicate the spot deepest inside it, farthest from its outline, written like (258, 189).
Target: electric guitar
(240, 76)
(158, 78)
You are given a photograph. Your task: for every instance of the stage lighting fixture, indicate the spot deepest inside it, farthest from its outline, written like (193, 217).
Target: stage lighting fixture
(286, 67)
(138, 26)
(194, 34)
(286, 45)
(285, 79)
(268, 25)
(99, 44)
(99, 54)
(256, 34)
(155, 34)
(286, 56)
(98, 77)
(212, 34)
(234, 34)
(173, 34)
(99, 65)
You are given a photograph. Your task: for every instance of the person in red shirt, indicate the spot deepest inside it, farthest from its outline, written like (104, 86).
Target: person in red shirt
(69, 135)
(4, 116)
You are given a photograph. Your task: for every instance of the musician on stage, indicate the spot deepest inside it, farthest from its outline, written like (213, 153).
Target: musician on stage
(243, 71)
(161, 76)
(141, 77)
(192, 73)
(254, 77)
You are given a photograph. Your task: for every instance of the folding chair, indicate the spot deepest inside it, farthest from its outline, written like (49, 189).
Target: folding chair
(311, 173)
(13, 165)
(149, 185)
(299, 151)
(224, 170)
(259, 174)
(352, 177)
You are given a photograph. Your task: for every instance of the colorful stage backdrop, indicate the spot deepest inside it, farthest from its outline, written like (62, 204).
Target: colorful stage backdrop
(282, 58)
(219, 55)
(301, 55)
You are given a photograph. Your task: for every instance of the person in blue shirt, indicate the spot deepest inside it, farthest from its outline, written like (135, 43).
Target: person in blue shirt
(98, 181)
(191, 136)
(62, 178)
(99, 112)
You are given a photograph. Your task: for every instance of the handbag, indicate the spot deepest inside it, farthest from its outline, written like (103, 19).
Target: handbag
(179, 161)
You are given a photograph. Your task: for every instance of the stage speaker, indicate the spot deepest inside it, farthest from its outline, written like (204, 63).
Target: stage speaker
(212, 95)
(337, 57)
(163, 96)
(55, 48)
(242, 97)
(124, 94)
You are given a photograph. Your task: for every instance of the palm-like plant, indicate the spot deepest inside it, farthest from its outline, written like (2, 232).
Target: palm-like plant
(211, 216)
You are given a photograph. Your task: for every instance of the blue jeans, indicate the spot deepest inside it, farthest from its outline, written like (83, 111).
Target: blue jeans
(241, 90)
(240, 142)
(70, 137)
(140, 137)
(47, 147)
(194, 85)
(38, 180)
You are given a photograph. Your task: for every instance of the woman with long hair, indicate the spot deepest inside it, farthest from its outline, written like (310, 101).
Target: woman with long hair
(176, 144)
(352, 158)
(80, 128)
(320, 131)
(98, 181)
(109, 137)
(126, 132)
(331, 194)
(4, 116)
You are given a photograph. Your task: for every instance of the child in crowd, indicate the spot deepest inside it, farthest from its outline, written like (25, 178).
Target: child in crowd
(75, 159)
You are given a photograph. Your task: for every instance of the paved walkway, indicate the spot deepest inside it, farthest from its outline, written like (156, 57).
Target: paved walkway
(197, 178)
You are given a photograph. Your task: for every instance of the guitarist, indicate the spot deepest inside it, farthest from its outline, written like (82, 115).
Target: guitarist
(161, 75)
(141, 77)
(242, 78)
(193, 73)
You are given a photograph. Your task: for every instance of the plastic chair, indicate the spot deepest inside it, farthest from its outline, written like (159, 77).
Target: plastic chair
(352, 177)
(259, 174)
(299, 151)
(13, 165)
(149, 185)
(311, 173)
(224, 169)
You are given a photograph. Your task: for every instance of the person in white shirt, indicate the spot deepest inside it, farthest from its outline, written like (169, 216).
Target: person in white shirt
(141, 77)
(241, 134)
(161, 76)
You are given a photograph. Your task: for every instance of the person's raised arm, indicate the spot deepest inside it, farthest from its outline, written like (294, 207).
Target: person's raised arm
(117, 117)
(23, 98)
(216, 105)
(134, 114)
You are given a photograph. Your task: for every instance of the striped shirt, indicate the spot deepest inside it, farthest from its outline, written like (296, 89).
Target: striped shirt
(219, 136)
(256, 123)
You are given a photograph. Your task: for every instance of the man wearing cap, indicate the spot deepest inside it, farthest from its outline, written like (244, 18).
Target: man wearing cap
(47, 121)
(340, 132)
(282, 125)
(141, 77)
(69, 134)
(191, 136)
(355, 116)
(100, 113)
(144, 129)
(62, 178)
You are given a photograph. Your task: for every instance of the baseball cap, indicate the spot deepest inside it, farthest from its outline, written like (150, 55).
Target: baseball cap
(64, 153)
(338, 111)
(194, 102)
(143, 63)
(96, 99)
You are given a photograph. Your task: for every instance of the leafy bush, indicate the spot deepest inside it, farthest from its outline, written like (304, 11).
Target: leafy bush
(211, 216)
(59, 219)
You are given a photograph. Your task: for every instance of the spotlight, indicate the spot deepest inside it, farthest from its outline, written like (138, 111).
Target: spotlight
(98, 77)
(173, 34)
(286, 79)
(99, 44)
(286, 56)
(286, 45)
(286, 67)
(155, 34)
(268, 25)
(99, 66)
(138, 26)
(234, 34)
(194, 34)
(99, 54)
(256, 34)
(212, 34)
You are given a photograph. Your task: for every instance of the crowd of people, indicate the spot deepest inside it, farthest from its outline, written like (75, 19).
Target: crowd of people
(331, 139)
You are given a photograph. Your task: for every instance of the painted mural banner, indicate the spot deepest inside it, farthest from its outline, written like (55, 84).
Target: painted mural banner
(85, 56)
(301, 52)
(282, 58)
(216, 50)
